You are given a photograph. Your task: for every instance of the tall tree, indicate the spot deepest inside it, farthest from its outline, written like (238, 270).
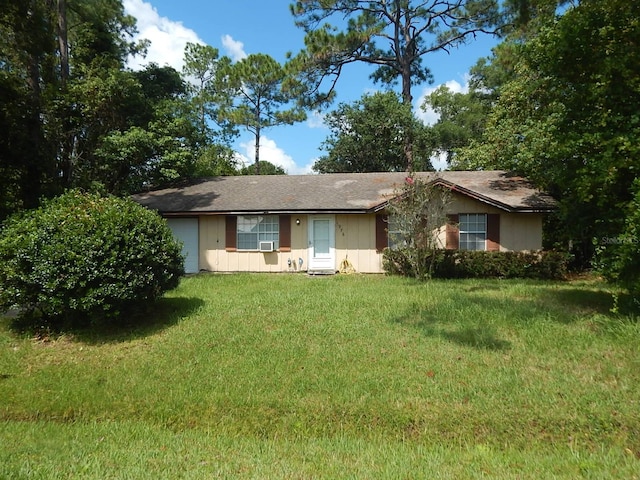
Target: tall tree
(27, 57)
(393, 35)
(569, 119)
(73, 115)
(156, 138)
(93, 38)
(261, 98)
(205, 73)
(48, 47)
(461, 118)
(369, 135)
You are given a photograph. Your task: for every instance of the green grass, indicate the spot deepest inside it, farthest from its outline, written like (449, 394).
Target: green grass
(288, 376)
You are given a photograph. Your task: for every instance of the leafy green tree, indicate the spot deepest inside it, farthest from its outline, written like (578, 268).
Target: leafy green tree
(93, 38)
(618, 258)
(569, 119)
(27, 54)
(525, 18)
(461, 118)
(138, 130)
(214, 160)
(393, 36)
(206, 73)
(261, 97)
(73, 116)
(266, 168)
(369, 136)
(46, 49)
(416, 215)
(83, 258)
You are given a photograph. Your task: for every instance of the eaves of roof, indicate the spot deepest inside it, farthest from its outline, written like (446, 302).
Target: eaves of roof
(333, 211)
(537, 208)
(335, 193)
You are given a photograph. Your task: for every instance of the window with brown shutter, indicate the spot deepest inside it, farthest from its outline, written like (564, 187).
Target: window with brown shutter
(493, 232)
(285, 233)
(382, 240)
(231, 226)
(452, 233)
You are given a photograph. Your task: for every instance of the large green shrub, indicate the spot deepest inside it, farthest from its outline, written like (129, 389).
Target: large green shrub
(84, 258)
(479, 264)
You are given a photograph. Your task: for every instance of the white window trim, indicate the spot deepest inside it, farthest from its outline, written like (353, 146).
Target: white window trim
(471, 232)
(266, 236)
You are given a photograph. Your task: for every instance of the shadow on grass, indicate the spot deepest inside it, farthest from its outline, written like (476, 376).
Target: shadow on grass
(482, 338)
(467, 314)
(581, 300)
(467, 334)
(560, 301)
(158, 316)
(140, 323)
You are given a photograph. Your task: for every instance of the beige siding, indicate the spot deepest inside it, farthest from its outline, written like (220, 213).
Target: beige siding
(518, 231)
(356, 242)
(215, 258)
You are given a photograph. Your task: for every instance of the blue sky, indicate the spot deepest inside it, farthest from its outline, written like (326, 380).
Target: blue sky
(241, 27)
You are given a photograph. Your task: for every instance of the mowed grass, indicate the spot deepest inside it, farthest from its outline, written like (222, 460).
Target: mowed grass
(297, 377)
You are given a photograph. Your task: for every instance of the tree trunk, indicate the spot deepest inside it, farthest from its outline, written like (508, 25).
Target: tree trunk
(63, 43)
(67, 138)
(31, 187)
(257, 150)
(407, 99)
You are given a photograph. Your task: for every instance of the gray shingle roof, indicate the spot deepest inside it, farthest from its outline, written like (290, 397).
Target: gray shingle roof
(338, 192)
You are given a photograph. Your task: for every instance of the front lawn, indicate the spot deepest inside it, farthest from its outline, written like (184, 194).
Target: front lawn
(289, 376)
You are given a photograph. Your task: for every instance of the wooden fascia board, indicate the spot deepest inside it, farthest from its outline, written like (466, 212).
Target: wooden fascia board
(268, 212)
(474, 195)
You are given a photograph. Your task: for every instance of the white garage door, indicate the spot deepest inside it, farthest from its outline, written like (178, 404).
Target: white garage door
(186, 230)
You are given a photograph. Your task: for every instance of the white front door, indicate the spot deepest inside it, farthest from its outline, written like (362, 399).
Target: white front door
(322, 239)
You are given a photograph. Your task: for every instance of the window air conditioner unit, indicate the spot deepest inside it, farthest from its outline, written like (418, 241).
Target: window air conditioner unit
(265, 246)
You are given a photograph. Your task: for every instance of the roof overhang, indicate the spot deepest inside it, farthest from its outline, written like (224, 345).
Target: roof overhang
(192, 213)
(490, 201)
(349, 193)
(479, 197)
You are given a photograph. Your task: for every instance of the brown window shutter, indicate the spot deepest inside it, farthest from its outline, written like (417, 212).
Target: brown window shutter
(382, 238)
(231, 230)
(285, 233)
(493, 232)
(453, 232)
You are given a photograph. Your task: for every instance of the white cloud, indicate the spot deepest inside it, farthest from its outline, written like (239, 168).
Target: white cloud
(242, 160)
(168, 38)
(316, 120)
(234, 48)
(429, 117)
(270, 152)
(439, 161)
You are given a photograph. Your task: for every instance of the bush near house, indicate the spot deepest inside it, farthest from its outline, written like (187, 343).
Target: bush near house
(543, 265)
(84, 258)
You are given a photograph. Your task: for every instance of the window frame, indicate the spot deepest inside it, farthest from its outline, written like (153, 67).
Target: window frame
(265, 231)
(464, 244)
(396, 238)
